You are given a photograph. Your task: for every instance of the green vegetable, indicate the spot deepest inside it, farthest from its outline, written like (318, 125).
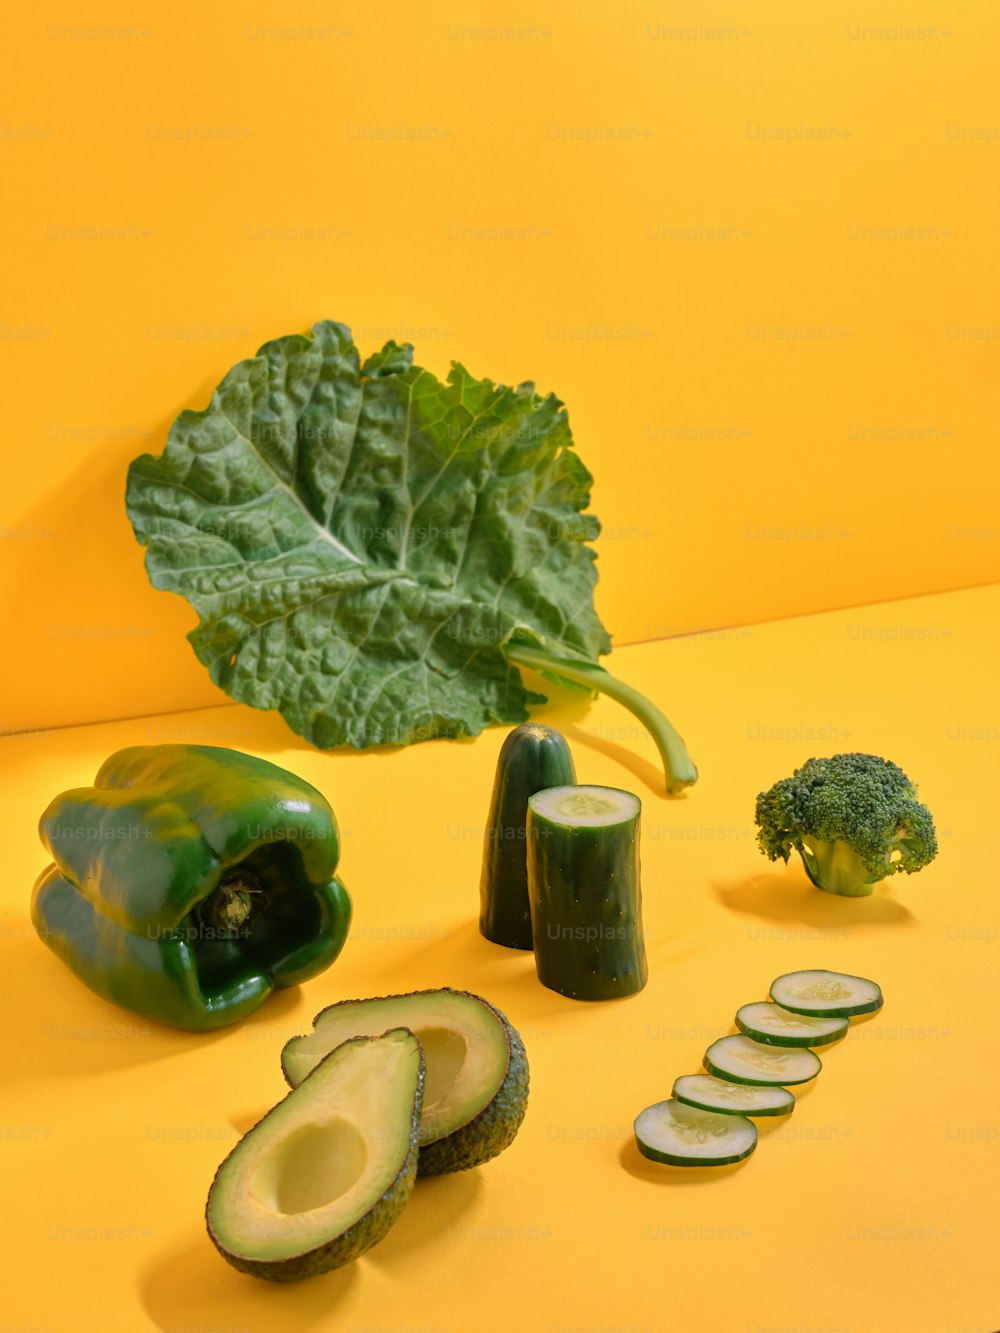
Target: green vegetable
(325, 1174)
(682, 1135)
(772, 1025)
(825, 994)
(476, 1089)
(716, 1094)
(190, 881)
(532, 758)
(375, 553)
(744, 1061)
(854, 819)
(583, 883)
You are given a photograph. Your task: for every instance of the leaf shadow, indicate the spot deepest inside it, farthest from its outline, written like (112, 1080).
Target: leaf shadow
(271, 733)
(647, 772)
(791, 897)
(190, 1286)
(78, 532)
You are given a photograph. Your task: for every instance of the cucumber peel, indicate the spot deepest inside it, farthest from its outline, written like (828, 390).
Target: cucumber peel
(531, 758)
(584, 892)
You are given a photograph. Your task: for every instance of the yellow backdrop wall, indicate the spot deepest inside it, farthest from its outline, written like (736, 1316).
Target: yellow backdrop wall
(751, 248)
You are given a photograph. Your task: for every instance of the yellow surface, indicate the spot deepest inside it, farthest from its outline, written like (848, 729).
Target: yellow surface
(871, 1211)
(752, 247)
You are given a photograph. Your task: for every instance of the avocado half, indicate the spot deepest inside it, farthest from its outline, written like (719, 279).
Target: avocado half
(476, 1088)
(325, 1174)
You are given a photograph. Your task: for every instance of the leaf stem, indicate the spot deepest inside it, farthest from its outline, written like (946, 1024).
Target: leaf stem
(678, 767)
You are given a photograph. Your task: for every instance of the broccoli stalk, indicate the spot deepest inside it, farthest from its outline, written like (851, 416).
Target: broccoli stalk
(854, 819)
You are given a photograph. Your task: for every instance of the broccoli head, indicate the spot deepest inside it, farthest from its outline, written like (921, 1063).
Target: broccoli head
(853, 818)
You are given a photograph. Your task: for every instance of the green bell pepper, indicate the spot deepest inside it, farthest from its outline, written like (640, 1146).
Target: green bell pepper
(190, 881)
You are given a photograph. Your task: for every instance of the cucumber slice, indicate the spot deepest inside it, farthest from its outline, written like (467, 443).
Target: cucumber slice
(773, 1026)
(683, 1135)
(741, 1060)
(823, 994)
(718, 1094)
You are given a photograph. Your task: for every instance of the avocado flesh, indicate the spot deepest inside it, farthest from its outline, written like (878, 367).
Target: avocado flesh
(326, 1173)
(476, 1087)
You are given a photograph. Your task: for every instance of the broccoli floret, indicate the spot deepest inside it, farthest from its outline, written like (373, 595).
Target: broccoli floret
(854, 819)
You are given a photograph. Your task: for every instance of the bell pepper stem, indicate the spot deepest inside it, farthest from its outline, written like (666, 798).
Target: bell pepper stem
(231, 906)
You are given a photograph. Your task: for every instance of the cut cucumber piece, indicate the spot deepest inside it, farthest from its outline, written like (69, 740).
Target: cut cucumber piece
(823, 994)
(583, 886)
(772, 1025)
(683, 1135)
(718, 1094)
(741, 1060)
(476, 1089)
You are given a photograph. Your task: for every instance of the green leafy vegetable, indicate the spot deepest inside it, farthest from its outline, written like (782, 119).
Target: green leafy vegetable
(373, 552)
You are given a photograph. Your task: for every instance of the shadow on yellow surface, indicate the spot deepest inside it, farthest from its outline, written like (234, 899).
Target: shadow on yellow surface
(461, 951)
(99, 611)
(789, 897)
(660, 1173)
(648, 773)
(465, 959)
(433, 1212)
(69, 1031)
(271, 734)
(191, 1286)
(244, 1121)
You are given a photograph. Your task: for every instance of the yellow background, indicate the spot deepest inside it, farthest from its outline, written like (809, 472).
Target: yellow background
(613, 201)
(871, 1210)
(608, 199)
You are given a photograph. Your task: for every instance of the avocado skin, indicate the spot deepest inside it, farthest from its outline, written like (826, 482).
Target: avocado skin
(366, 1231)
(496, 1125)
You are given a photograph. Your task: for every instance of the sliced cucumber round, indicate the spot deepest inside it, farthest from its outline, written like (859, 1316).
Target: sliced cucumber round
(772, 1025)
(823, 994)
(718, 1094)
(683, 1135)
(741, 1060)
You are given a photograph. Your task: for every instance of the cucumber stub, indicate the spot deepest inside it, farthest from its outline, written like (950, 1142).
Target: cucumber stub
(531, 758)
(741, 1060)
(823, 994)
(718, 1094)
(772, 1025)
(683, 1135)
(583, 886)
